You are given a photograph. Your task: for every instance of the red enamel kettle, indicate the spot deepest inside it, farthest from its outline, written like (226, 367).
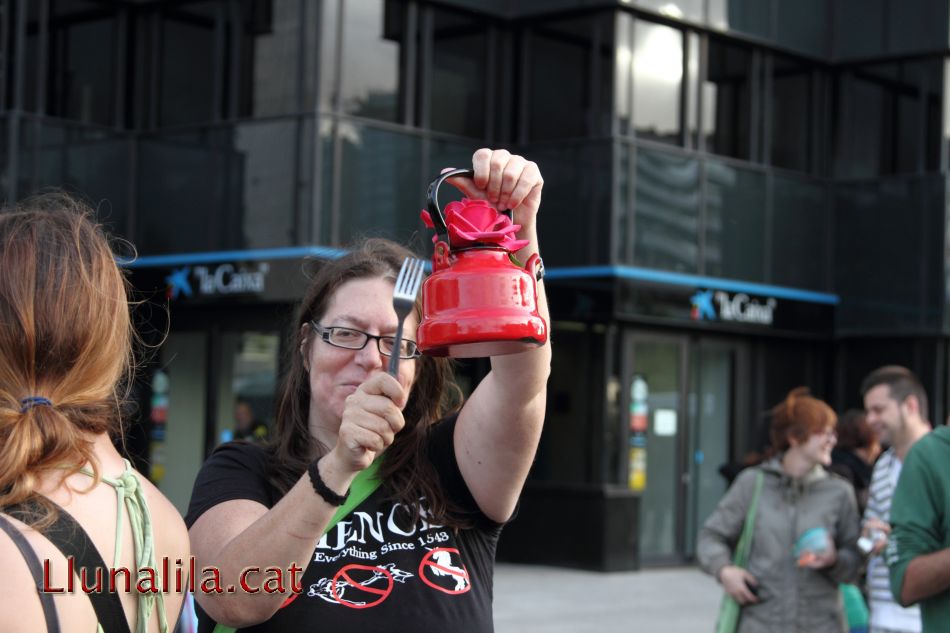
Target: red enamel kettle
(476, 302)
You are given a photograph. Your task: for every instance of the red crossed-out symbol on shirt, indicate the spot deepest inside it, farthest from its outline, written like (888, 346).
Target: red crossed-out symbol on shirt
(438, 562)
(345, 581)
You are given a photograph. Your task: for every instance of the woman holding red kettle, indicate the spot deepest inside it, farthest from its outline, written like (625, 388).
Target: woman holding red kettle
(378, 505)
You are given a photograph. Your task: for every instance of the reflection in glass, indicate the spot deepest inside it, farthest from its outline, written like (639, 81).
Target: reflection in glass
(657, 81)
(727, 100)
(329, 68)
(877, 225)
(570, 78)
(858, 28)
(577, 225)
(791, 113)
(900, 103)
(677, 9)
(231, 187)
(711, 412)
(187, 65)
(448, 153)
(623, 71)
(380, 184)
(746, 16)
(80, 82)
(659, 363)
(804, 25)
(92, 161)
(800, 229)
(269, 181)
(271, 81)
(370, 77)
(735, 222)
(693, 122)
(457, 90)
(176, 211)
(247, 371)
(667, 211)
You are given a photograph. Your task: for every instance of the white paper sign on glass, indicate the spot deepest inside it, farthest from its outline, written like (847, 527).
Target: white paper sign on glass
(664, 422)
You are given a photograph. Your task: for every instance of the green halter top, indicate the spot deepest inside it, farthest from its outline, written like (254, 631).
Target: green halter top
(129, 494)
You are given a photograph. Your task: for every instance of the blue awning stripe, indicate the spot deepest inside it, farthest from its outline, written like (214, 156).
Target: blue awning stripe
(693, 281)
(568, 272)
(214, 257)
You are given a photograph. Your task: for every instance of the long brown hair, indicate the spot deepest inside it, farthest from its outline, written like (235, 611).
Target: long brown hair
(66, 337)
(406, 472)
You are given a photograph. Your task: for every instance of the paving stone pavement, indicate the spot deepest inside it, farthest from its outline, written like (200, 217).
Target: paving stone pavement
(536, 599)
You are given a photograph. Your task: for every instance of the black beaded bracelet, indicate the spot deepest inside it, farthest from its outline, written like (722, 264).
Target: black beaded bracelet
(321, 487)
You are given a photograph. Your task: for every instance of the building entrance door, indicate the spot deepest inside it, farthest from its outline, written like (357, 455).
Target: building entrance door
(212, 385)
(682, 404)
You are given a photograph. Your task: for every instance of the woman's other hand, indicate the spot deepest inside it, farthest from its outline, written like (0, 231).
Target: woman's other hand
(739, 584)
(506, 181)
(371, 418)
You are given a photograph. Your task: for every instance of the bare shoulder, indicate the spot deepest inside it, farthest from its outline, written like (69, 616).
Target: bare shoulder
(20, 608)
(167, 523)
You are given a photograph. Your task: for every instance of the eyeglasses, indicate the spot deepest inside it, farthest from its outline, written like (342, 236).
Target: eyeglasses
(348, 338)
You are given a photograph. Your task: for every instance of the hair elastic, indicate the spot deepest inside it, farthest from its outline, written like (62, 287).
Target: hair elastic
(33, 401)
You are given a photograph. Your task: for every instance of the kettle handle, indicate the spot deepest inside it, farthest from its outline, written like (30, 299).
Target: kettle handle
(432, 202)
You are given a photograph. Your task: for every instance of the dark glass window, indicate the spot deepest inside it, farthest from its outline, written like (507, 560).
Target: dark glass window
(859, 28)
(577, 177)
(80, 61)
(746, 16)
(457, 90)
(230, 187)
(803, 25)
(178, 211)
(916, 25)
(888, 119)
(380, 184)
(569, 85)
(329, 66)
(657, 81)
(888, 243)
(270, 75)
(792, 113)
(727, 100)
(270, 181)
(90, 161)
(735, 222)
(800, 230)
(187, 77)
(666, 221)
(371, 77)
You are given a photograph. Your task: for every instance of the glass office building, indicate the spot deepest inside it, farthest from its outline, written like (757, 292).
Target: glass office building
(742, 196)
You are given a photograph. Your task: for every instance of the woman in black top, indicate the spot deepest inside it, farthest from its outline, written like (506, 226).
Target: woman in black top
(417, 554)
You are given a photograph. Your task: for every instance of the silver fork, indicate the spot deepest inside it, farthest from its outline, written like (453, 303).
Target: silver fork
(404, 298)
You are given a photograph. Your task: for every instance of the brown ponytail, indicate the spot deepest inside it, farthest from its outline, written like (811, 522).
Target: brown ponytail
(65, 336)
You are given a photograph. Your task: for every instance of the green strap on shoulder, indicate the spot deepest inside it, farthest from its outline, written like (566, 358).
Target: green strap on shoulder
(745, 540)
(362, 487)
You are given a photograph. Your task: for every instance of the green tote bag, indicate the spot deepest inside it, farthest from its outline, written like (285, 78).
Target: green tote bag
(730, 610)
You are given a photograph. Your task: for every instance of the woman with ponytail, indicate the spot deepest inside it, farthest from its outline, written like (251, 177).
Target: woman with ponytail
(805, 528)
(69, 502)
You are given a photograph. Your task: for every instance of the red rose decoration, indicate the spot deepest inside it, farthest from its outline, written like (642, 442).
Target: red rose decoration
(472, 222)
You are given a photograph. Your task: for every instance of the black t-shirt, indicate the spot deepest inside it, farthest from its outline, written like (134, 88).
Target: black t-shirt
(375, 570)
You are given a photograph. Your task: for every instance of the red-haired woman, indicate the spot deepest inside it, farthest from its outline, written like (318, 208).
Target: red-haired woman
(806, 528)
(68, 498)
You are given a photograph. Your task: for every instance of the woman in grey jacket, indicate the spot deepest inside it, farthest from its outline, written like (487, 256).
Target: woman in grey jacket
(785, 590)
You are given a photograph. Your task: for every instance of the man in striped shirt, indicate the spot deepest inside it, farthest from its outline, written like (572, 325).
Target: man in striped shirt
(896, 406)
